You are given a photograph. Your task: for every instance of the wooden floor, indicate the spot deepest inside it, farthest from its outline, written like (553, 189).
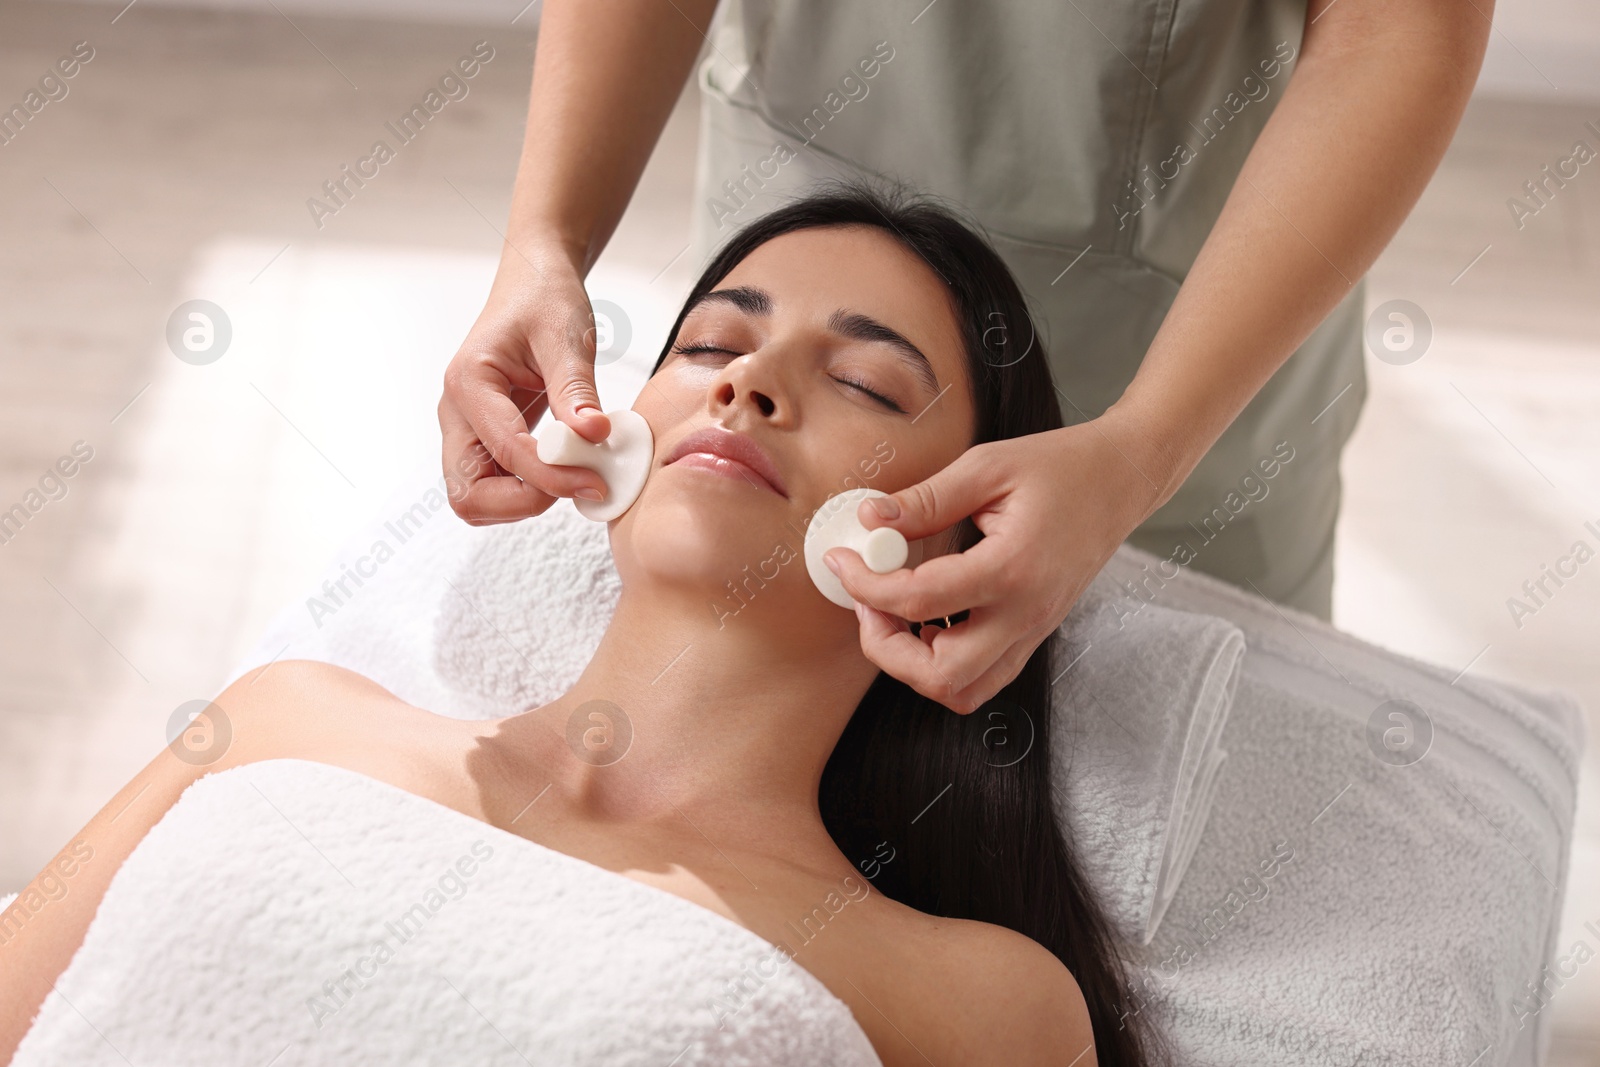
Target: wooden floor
(178, 167)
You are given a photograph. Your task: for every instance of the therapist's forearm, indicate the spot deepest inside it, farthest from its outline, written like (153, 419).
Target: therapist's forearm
(1376, 96)
(606, 75)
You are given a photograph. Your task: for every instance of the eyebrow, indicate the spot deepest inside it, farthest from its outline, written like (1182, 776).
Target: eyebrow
(849, 324)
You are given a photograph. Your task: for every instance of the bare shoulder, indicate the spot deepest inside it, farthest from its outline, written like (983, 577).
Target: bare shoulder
(303, 709)
(269, 712)
(298, 684)
(300, 708)
(1015, 1001)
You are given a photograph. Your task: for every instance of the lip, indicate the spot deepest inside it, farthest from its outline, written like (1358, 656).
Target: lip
(737, 448)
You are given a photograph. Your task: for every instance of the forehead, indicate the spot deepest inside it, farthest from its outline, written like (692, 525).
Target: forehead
(814, 272)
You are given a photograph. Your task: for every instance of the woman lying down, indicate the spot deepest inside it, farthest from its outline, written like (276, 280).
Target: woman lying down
(797, 859)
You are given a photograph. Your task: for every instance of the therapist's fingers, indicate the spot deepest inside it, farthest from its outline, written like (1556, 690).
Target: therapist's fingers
(975, 479)
(1001, 674)
(961, 666)
(888, 641)
(970, 661)
(940, 664)
(531, 350)
(964, 654)
(478, 392)
(567, 367)
(985, 653)
(476, 406)
(943, 585)
(480, 491)
(503, 498)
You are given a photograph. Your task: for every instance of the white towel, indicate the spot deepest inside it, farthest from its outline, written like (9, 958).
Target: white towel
(1140, 710)
(1402, 920)
(293, 912)
(1344, 910)
(510, 615)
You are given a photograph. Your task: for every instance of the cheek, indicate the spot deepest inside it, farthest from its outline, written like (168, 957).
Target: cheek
(679, 383)
(682, 374)
(869, 461)
(666, 405)
(888, 457)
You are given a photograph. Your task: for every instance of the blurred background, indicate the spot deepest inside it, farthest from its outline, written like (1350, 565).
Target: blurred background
(204, 496)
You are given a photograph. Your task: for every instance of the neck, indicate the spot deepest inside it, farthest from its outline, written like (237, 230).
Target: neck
(732, 719)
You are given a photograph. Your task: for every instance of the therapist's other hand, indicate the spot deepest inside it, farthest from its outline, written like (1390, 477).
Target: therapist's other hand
(531, 349)
(1052, 506)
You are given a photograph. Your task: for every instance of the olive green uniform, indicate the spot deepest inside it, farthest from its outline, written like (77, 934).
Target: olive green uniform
(1095, 141)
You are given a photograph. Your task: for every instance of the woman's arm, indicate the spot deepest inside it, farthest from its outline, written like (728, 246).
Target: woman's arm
(45, 925)
(1375, 98)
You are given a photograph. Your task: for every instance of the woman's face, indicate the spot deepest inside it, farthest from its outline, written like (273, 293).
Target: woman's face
(834, 353)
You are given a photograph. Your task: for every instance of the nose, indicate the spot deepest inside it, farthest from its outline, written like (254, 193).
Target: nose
(753, 381)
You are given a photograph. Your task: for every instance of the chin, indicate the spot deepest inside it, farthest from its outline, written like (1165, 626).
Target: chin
(677, 533)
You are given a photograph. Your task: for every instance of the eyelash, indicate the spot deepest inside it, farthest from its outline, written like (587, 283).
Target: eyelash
(698, 348)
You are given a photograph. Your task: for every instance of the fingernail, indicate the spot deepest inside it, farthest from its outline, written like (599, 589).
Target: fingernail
(591, 494)
(886, 507)
(584, 408)
(832, 566)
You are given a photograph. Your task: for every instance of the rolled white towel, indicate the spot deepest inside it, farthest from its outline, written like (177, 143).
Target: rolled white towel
(1139, 713)
(1346, 906)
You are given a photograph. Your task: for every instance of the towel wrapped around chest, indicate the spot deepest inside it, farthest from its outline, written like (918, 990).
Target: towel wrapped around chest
(292, 912)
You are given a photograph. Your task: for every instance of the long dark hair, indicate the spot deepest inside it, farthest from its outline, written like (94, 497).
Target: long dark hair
(969, 827)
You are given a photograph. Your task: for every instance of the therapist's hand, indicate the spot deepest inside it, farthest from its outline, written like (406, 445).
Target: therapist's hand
(1052, 506)
(532, 348)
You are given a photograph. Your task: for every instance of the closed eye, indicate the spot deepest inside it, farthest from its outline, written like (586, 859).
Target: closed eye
(691, 349)
(700, 348)
(856, 383)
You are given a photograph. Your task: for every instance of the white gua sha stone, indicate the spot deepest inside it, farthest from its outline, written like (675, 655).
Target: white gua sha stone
(622, 460)
(834, 525)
